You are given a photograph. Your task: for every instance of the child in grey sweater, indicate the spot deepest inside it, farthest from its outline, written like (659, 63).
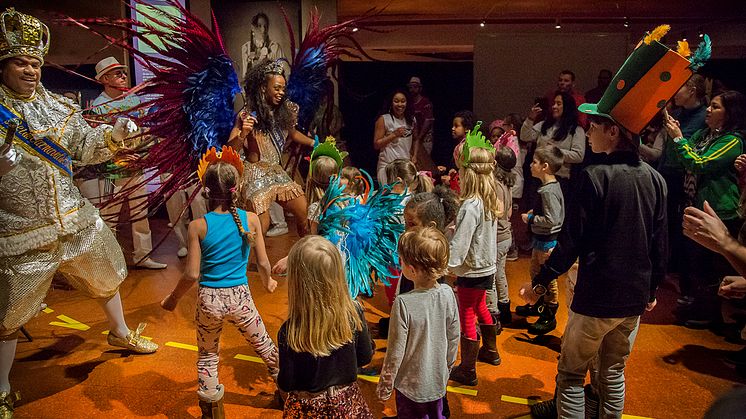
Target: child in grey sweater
(545, 223)
(424, 329)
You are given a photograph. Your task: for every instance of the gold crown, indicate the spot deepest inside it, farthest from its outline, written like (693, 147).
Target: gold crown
(22, 34)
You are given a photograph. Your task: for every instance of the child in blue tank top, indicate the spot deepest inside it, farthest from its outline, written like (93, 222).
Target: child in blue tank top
(218, 253)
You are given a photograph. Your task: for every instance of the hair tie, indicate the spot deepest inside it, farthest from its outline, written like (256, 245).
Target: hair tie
(233, 189)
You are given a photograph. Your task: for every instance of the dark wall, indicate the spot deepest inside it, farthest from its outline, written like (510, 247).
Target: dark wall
(365, 86)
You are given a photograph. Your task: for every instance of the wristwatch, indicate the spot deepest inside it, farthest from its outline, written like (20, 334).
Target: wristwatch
(539, 289)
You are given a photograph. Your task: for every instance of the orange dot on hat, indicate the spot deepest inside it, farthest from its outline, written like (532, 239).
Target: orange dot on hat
(620, 85)
(665, 76)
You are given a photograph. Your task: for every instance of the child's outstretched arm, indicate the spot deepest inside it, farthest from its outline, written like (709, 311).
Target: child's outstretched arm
(262, 261)
(197, 230)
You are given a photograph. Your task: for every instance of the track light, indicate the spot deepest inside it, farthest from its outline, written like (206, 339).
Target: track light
(355, 29)
(701, 34)
(626, 22)
(557, 24)
(481, 24)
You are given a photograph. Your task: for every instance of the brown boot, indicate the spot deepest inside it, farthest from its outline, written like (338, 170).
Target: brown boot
(488, 352)
(7, 399)
(212, 408)
(466, 372)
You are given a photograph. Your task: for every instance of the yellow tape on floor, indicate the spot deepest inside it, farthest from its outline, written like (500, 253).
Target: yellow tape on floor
(48, 310)
(181, 346)
(70, 323)
(249, 358)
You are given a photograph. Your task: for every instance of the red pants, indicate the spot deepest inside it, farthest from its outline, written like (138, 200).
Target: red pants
(472, 306)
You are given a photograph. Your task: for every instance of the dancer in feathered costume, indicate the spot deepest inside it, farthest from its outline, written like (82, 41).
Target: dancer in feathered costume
(262, 134)
(45, 224)
(276, 106)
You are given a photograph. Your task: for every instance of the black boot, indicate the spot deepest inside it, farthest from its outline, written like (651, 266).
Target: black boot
(528, 309)
(488, 352)
(496, 322)
(466, 372)
(506, 317)
(547, 320)
(591, 403)
(544, 410)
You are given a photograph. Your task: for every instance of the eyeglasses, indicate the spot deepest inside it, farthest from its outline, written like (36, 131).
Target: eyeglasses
(117, 73)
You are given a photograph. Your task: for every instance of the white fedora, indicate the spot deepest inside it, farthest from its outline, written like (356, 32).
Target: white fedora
(106, 65)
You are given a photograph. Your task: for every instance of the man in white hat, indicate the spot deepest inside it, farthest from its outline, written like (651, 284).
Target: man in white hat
(45, 225)
(423, 114)
(113, 76)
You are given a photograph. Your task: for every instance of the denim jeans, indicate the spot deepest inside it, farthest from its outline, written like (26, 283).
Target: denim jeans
(586, 338)
(499, 290)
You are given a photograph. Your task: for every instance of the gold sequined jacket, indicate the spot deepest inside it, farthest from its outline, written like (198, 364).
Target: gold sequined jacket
(38, 202)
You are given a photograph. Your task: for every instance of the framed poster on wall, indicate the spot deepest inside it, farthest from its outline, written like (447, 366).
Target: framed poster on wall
(255, 30)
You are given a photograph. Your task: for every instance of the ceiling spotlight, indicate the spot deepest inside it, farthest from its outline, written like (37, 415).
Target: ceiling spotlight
(701, 34)
(557, 24)
(626, 22)
(481, 24)
(355, 29)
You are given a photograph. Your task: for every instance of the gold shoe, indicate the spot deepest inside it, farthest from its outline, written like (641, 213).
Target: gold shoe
(134, 342)
(6, 404)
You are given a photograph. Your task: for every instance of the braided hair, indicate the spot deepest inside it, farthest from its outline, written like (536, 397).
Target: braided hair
(220, 183)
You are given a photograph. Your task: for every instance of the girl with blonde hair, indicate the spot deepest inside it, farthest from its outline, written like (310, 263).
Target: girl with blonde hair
(219, 245)
(473, 249)
(322, 169)
(325, 338)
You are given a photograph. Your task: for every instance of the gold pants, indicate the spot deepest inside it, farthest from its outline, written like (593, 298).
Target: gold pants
(90, 259)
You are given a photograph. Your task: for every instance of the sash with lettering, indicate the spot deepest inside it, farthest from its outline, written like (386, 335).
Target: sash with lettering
(44, 148)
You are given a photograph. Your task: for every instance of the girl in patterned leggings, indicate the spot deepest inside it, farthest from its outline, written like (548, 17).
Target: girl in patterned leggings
(219, 245)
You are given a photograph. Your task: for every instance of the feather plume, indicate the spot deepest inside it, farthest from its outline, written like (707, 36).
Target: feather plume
(683, 49)
(656, 34)
(192, 91)
(320, 49)
(702, 54)
(366, 233)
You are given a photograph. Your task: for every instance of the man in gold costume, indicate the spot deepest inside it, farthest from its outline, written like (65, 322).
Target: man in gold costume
(45, 224)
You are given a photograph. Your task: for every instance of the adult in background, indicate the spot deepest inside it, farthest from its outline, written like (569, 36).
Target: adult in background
(566, 84)
(423, 114)
(603, 81)
(560, 128)
(392, 135)
(690, 102)
(709, 157)
(113, 99)
(46, 226)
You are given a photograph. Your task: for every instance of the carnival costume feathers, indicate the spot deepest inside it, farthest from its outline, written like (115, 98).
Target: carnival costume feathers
(191, 91)
(365, 231)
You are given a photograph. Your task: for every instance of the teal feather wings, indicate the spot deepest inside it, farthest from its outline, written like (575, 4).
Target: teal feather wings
(366, 232)
(702, 54)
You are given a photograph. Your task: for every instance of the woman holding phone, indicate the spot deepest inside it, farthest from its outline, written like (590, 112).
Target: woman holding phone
(393, 133)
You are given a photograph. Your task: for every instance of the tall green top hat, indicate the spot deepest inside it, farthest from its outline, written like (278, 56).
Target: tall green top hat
(652, 74)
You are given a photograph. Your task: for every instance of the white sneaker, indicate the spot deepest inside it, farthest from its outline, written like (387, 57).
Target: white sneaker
(182, 252)
(149, 263)
(277, 230)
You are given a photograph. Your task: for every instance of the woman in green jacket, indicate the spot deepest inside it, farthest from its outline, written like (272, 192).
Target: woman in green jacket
(708, 158)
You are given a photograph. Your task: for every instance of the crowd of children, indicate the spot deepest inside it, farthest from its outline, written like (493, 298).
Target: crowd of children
(457, 230)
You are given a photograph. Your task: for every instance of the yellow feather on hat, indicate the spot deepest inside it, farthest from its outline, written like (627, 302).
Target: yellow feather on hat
(683, 49)
(657, 34)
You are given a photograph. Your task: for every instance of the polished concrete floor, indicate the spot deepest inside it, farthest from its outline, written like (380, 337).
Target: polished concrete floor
(69, 371)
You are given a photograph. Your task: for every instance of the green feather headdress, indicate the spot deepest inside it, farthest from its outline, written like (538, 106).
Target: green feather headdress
(475, 139)
(327, 148)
